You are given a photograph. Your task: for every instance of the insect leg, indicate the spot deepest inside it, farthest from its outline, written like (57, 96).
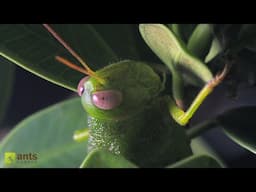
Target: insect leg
(183, 117)
(81, 135)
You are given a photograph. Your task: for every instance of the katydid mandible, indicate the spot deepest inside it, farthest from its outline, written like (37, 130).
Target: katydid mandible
(127, 114)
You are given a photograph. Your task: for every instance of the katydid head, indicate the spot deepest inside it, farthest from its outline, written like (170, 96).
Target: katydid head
(129, 87)
(118, 90)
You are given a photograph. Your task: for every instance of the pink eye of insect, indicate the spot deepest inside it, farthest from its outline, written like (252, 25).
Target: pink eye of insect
(80, 87)
(107, 100)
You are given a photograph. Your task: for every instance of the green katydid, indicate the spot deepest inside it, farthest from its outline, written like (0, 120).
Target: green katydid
(128, 116)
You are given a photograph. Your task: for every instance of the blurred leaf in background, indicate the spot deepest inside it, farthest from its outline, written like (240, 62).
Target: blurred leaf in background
(104, 159)
(240, 126)
(200, 147)
(7, 71)
(197, 161)
(34, 49)
(49, 134)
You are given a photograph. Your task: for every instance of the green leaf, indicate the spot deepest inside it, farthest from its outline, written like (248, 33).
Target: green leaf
(172, 51)
(121, 38)
(240, 126)
(197, 161)
(104, 159)
(7, 71)
(200, 41)
(48, 134)
(176, 28)
(183, 31)
(201, 147)
(214, 50)
(34, 49)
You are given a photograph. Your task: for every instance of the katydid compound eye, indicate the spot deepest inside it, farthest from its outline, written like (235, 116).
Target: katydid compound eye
(80, 87)
(107, 100)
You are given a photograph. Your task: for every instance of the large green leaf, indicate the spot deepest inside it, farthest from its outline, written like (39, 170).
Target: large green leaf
(34, 49)
(6, 82)
(197, 161)
(48, 134)
(104, 159)
(239, 125)
(121, 38)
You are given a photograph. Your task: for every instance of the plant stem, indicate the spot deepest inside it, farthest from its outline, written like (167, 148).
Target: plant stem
(200, 128)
